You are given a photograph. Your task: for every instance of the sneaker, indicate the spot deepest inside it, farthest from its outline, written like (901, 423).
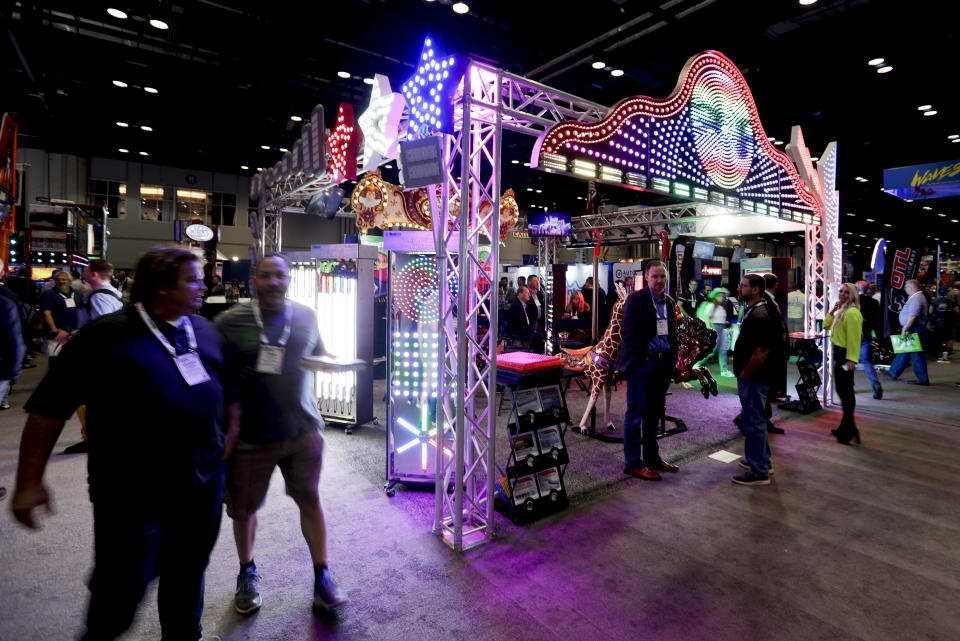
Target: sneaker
(326, 593)
(247, 599)
(727, 373)
(750, 479)
(4, 406)
(743, 463)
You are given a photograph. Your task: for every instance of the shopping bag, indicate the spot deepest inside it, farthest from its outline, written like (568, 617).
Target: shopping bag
(906, 344)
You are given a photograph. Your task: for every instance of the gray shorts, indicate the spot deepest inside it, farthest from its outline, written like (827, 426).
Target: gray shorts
(251, 466)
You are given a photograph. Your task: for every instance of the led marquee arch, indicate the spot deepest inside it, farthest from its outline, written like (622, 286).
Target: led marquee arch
(704, 142)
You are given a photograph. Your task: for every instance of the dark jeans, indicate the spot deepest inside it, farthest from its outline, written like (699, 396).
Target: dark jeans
(919, 361)
(647, 385)
(131, 549)
(843, 380)
(756, 447)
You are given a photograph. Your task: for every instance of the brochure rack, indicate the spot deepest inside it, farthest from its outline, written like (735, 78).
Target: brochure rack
(532, 484)
(808, 362)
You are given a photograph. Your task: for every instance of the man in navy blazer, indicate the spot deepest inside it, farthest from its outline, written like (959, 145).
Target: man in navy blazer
(647, 358)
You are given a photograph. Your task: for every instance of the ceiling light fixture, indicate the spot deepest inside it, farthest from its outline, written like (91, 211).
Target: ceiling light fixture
(122, 124)
(266, 147)
(515, 162)
(871, 220)
(150, 90)
(143, 153)
(924, 107)
(931, 112)
(616, 73)
(343, 74)
(119, 83)
(146, 127)
(116, 13)
(368, 81)
(159, 24)
(123, 151)
(296, 118)
(598, 64)
(244, 167)
(928, 208)
(955, 140)
(875, 62)
(461, 8)
(953, 136)
(807, 3)
(885, 69)
(283, 150)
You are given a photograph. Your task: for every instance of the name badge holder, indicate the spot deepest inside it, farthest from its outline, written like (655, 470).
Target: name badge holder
(270, 357)
(189, 365)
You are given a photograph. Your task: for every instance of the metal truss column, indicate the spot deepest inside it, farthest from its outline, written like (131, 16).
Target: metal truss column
(546, 259)
(465, 515)
(832, 252)
(271, 229)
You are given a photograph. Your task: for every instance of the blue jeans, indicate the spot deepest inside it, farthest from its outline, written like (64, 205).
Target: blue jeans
(868, 367)
(756, 448)
(919, 360)
(646, 394)
(4, 391)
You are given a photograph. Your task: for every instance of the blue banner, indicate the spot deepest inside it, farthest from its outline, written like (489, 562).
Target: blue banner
(916, 182)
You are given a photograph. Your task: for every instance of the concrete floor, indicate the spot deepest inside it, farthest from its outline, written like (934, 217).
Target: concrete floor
(847, 543)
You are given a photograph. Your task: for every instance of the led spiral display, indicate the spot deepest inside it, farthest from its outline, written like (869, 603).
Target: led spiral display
(705, 142)
(415, 290)
(722, 133)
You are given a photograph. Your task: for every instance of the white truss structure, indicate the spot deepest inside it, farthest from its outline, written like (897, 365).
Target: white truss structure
(832, 253)
(546, 259)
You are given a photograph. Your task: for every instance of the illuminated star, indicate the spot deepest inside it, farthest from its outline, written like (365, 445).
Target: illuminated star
(343, 143)
(429, 91)
(380, 123)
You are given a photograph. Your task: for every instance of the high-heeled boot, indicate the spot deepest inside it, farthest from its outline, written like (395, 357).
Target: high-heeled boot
(844, 436)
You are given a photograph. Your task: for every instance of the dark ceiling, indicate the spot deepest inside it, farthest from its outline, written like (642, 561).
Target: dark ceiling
(230, 75)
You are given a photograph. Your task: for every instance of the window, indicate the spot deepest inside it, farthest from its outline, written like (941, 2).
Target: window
(192, 204)
(223, 209)
(151, 202)
(107, 193)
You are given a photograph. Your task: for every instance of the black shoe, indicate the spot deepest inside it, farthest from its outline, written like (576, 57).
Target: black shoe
(749, 479)
(773, 429)
(79, 448)
(877, 391)
(844, 436)
(738, 420)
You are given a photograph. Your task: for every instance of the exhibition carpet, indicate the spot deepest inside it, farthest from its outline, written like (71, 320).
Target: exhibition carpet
(847, 543)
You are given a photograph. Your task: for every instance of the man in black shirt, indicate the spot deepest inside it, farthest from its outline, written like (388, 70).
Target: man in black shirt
(155, 465)
(870, 310)
(690, 300)
(60, 306)
(757, 363)
(518, 322)
(273, 422)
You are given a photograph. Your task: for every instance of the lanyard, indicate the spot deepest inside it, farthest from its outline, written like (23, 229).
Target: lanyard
(752, 307)
(287, 323)
(187, 327)
(66, 296)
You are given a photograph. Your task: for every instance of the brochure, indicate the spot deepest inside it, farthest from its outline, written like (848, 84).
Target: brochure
(549, 480)
(524, 445)
(525, 488)
(527, 401)
(550, 439)
(550, 397)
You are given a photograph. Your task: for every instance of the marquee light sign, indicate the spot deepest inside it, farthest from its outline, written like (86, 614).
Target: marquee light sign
(344, 144)
(705, 142)
(429, 91)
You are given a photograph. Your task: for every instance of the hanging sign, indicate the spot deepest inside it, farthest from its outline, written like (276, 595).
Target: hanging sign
(916, 182)
(198, 233)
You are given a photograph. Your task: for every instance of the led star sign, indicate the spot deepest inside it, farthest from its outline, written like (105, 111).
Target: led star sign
(429, 91)
(380, 123)
(344, 145)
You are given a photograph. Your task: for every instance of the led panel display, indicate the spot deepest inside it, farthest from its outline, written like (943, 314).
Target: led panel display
(704, 142)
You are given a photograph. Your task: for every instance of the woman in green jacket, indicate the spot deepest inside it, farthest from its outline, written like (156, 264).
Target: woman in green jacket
(847, 324)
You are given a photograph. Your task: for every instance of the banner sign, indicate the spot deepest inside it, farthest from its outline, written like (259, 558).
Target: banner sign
(902, 264)
(916, 182)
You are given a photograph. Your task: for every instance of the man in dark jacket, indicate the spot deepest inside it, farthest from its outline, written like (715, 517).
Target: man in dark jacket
(870, 310)
(647, 357)
(518, 323)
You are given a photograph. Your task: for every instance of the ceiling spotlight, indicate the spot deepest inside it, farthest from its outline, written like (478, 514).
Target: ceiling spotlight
(146, 127)
(875, 62)
(953, 136)
(928, 208)
(119, 83)
(885, 69)
(122, 124)
(259, 168)
(539, 191)
(123, 151)
(807, 3)
(955, 140)
(244, 167)
(343, 74)
(598, 64)
(871, 220)
(461, 8)
(515, 162)
(150, 90)
(529, 188)
(266, 147)
(931, 112)
(159, 24)
(368, 81)
(116, 13)
(778, 142)
(143, 153)
(296, 118)
(282, 150)
(616, 73)
(924, 107)
(940, 215)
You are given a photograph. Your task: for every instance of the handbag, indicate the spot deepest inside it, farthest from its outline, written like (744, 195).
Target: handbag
(906, 344)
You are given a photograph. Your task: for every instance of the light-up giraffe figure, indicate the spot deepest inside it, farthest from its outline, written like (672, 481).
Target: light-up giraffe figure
(597, 362)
